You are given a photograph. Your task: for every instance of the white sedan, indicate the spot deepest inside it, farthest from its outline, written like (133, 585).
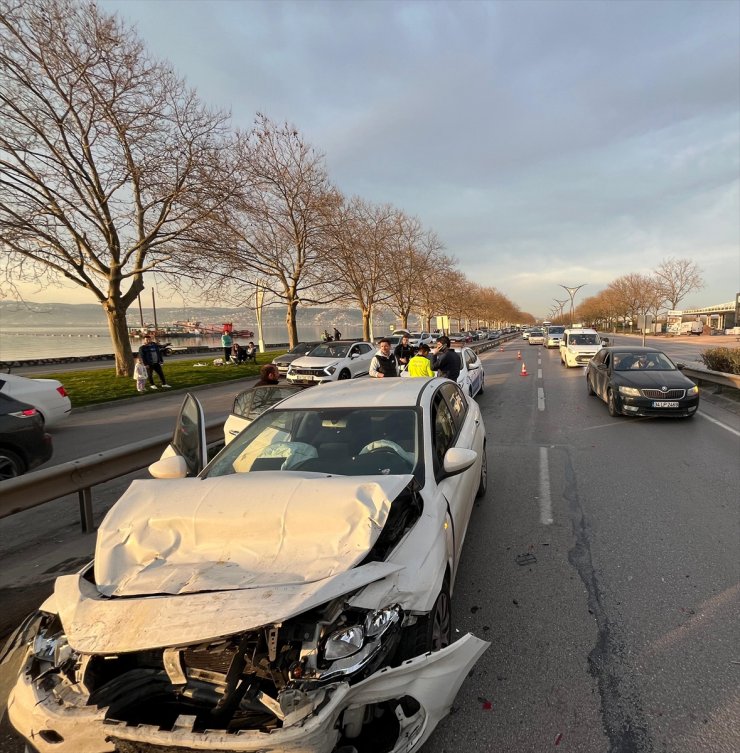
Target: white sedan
(331, 361)
(295, 596)
(48, 396)
(421, 338)
(472, 377)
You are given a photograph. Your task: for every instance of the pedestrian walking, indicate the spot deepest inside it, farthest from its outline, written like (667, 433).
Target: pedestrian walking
(337, 334)
(140, 375)
(226, 343)
(419, 365)
(383, 363)
(151, 356)
(445, 361)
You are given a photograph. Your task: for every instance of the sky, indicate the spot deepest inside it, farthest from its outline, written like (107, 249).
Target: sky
(546, 143)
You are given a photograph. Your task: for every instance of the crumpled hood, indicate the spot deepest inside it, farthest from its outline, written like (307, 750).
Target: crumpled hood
(239, 531)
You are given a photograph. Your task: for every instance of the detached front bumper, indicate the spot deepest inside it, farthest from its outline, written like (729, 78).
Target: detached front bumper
(57, 719)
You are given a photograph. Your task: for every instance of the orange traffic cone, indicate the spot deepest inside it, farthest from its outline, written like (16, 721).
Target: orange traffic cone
(519, 355)
(524, 370)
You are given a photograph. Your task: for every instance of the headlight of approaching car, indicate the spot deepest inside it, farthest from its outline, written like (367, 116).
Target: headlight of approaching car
(351, 639)
(692, 391)
(331, 369)
(632, 391)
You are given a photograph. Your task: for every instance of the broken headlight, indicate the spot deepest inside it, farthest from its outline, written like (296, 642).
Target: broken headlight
(50, 644)
(351, 639)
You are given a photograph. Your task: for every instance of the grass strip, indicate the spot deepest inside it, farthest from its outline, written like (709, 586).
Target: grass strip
(101, 385)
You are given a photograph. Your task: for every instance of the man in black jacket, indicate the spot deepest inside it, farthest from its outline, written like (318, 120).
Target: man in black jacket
(404, 352)
(383, 363)
(151, 356)
(445, 361)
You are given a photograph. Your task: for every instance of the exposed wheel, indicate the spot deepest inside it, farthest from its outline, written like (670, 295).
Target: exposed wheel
(482, 385)
(589, 386)
(431, 632)
(10, 465)
(344, 374)
(611, 403)
(483, 485)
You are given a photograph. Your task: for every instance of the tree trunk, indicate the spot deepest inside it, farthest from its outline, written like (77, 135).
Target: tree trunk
(366, 313)
(118, 329)
(291, 323)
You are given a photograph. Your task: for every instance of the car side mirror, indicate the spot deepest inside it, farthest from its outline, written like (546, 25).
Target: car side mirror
(354, 355)
(457, 460)
(173, 466)
(604, 342)
(680, 366)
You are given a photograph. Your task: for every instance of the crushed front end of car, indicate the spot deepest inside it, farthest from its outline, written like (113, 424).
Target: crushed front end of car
(165, 645)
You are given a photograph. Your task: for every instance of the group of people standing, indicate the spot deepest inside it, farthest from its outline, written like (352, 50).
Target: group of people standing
(326, 337)
(419, 363)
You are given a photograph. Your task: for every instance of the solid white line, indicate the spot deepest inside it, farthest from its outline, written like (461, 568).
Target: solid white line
(545, 502)
(540, 398)
(719, 423)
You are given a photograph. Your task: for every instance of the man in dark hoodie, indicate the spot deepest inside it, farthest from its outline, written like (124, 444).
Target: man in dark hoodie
(445, 360)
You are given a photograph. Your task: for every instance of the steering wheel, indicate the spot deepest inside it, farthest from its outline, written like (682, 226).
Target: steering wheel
(383, 445)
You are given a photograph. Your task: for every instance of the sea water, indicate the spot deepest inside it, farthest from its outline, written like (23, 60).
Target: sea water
(23, 343)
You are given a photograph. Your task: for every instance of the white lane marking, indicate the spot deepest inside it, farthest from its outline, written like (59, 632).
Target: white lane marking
(540, 398)
(545, 502)
(719, 423)
(539, 373)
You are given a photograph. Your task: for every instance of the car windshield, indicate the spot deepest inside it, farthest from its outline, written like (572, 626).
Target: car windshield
(344, 442)
(585, 339)
(555, 330)
(415, 335)
(330, 350)
(536, 333)
(626, 361)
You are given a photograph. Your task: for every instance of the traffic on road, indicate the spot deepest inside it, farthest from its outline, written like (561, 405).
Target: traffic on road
(600, 564)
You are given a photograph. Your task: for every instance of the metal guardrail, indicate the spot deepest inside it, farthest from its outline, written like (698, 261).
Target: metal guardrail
(80, 476)
(715, 377)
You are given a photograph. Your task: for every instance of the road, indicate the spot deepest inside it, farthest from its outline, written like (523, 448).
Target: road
(603, 566)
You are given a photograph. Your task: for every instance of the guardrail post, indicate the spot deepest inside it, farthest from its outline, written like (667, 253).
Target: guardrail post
(86, 511)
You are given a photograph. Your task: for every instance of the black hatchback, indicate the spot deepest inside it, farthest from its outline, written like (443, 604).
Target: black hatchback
(637, 381)
(23, 442)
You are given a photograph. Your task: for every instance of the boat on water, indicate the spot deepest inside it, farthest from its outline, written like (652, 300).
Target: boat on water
(188, 329)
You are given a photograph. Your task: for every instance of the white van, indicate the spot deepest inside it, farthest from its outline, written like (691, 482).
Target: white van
(579, 346)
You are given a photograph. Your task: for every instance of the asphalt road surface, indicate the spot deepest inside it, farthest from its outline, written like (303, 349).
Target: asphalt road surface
(602, 565)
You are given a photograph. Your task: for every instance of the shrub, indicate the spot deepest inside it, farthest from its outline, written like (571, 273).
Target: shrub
(722, 359)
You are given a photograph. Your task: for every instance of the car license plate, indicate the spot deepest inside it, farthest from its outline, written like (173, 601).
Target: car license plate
(665, 404)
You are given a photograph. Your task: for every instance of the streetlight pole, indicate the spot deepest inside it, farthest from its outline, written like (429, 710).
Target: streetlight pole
(561, 305)
(572, 293)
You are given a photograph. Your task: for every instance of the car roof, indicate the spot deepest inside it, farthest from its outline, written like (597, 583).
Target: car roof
(351, 393)
(632, 349)
(589, 330)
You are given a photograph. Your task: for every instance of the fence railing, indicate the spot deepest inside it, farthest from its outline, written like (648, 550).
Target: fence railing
(81, 476)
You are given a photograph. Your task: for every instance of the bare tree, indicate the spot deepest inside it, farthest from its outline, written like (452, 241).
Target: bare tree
(678, 278)
(430, 284)
(358, 255)
(278, 229)
(411, 251)
(109, 165)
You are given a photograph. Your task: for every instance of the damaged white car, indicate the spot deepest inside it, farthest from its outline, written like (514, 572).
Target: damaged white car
(293, 597)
